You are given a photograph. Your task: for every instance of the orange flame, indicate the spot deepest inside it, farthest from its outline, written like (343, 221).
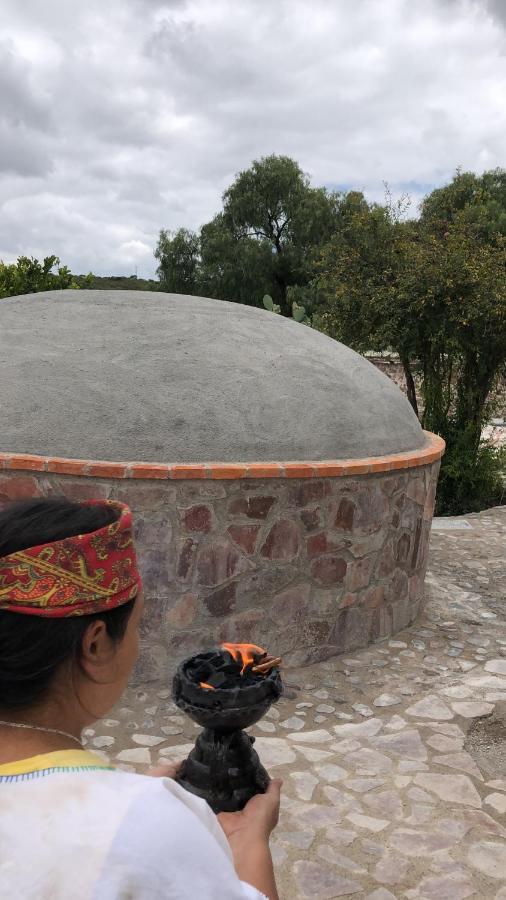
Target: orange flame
(247, 654)
(208, 687)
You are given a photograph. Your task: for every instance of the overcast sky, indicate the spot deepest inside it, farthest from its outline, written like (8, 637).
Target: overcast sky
(120, 117)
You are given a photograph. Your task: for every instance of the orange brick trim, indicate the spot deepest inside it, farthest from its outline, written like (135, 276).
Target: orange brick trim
(431, 452)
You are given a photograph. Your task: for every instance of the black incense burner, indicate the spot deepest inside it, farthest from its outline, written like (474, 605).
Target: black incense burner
(226, 690)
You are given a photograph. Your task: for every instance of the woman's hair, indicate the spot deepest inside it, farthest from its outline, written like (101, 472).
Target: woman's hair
(33, 648)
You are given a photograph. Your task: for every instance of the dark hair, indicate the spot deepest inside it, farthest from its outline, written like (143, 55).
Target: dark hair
(32, 648)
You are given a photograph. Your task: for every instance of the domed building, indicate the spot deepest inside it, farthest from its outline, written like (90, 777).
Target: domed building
(282, 486)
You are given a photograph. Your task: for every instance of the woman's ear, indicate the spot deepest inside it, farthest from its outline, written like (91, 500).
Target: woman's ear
(96, 647)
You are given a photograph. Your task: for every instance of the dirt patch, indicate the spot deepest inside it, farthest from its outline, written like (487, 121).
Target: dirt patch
(486, 743)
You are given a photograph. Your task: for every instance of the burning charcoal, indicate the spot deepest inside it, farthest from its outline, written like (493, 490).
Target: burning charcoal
(220, 659)
(200, 673)
(229, 664)
(217, 679)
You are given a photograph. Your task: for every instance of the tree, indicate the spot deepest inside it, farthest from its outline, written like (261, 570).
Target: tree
(178, 254)
(265, 240)
(231, 268)
(272, 203)
(438, 298)
(479, 200)
(359, 272)
(29, 276)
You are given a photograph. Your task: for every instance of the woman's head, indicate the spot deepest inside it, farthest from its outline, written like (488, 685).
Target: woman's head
(85, 659)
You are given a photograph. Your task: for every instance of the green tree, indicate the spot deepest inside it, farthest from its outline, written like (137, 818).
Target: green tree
(273, 203)
(232, 268)
(438, 298)
(479, 200)
(265, 240)
(178, 254)
(29, 276)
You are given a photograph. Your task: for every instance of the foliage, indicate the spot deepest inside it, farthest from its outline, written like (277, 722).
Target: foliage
(265, 240)
(273, 204)
(29, 276)
(85, 281)
(435, 295)
(469, 483)
(480, 200)
(298, 312)
(116, 282)
(178, 255)
(231, 268)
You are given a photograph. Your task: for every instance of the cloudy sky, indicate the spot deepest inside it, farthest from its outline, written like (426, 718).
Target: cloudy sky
(121, 117)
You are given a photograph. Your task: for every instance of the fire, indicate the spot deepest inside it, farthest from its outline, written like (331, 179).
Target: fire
(208, 687)
(247, 654)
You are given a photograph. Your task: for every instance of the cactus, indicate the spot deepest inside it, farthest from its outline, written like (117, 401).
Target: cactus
(298, 312)
(269, 304)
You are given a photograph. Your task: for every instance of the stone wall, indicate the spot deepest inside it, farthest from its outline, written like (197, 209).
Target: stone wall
(392, 367)
(307, 567)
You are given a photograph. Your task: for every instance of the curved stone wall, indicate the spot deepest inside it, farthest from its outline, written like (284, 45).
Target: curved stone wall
(309, 561)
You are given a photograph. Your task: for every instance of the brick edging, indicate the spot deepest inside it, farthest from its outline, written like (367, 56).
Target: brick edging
(432, 451)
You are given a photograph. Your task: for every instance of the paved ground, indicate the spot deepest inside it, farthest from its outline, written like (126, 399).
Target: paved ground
(394, 758)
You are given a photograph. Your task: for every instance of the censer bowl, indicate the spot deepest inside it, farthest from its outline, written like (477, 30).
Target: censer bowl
(223, 768)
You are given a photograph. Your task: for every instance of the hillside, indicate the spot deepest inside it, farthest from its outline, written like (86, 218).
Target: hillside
(116, 282)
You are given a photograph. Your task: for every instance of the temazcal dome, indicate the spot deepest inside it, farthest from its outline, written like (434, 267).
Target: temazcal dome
(130, 375)
(281, 486)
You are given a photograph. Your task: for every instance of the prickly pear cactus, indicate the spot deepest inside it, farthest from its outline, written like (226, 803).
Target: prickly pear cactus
(269, 304)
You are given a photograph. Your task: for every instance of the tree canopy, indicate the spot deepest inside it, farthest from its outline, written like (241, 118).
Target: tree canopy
(178, 255)
(434, 291)
(265, 240)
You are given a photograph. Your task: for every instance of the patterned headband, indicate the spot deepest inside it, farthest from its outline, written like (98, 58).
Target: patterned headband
(76, 576)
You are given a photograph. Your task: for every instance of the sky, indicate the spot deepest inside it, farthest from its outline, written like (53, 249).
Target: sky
(123, 117)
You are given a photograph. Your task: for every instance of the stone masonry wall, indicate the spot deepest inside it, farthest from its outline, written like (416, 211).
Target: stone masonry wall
(307, 568)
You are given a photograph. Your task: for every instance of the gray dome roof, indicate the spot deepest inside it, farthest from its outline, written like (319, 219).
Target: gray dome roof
(134, 375)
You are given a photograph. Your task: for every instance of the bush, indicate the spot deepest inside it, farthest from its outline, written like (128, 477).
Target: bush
(469, 483)
(29, 276)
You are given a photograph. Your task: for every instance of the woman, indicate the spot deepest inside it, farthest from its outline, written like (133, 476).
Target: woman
(71, 825)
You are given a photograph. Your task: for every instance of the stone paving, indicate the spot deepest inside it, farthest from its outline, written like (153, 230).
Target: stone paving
(393, 758)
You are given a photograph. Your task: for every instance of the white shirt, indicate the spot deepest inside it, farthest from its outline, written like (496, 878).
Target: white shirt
(111, 835)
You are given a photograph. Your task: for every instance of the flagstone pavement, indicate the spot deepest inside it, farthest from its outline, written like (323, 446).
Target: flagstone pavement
(393, 757)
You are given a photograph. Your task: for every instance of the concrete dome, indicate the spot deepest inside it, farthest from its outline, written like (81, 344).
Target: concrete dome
(133, 375)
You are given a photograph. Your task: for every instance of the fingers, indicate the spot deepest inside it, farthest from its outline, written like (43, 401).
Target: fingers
(275, 786)
(165, 770)
(273, 792)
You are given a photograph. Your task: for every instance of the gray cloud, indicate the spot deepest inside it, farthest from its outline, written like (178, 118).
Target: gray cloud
(22, 102)
(118, 119)
(498, 9)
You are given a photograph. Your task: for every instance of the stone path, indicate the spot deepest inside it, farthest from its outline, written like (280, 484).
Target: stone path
(393, 758)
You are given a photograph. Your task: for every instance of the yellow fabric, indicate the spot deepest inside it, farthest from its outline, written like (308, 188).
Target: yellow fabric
(58, 759)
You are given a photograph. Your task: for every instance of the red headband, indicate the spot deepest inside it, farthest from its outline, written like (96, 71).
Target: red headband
(76, 576)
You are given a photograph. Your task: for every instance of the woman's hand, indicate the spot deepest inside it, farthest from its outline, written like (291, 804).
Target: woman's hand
(165, 770)
(258, 818)
(248, 833)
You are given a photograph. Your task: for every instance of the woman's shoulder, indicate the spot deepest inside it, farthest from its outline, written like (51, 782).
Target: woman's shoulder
(171, 838)
(141, 835)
